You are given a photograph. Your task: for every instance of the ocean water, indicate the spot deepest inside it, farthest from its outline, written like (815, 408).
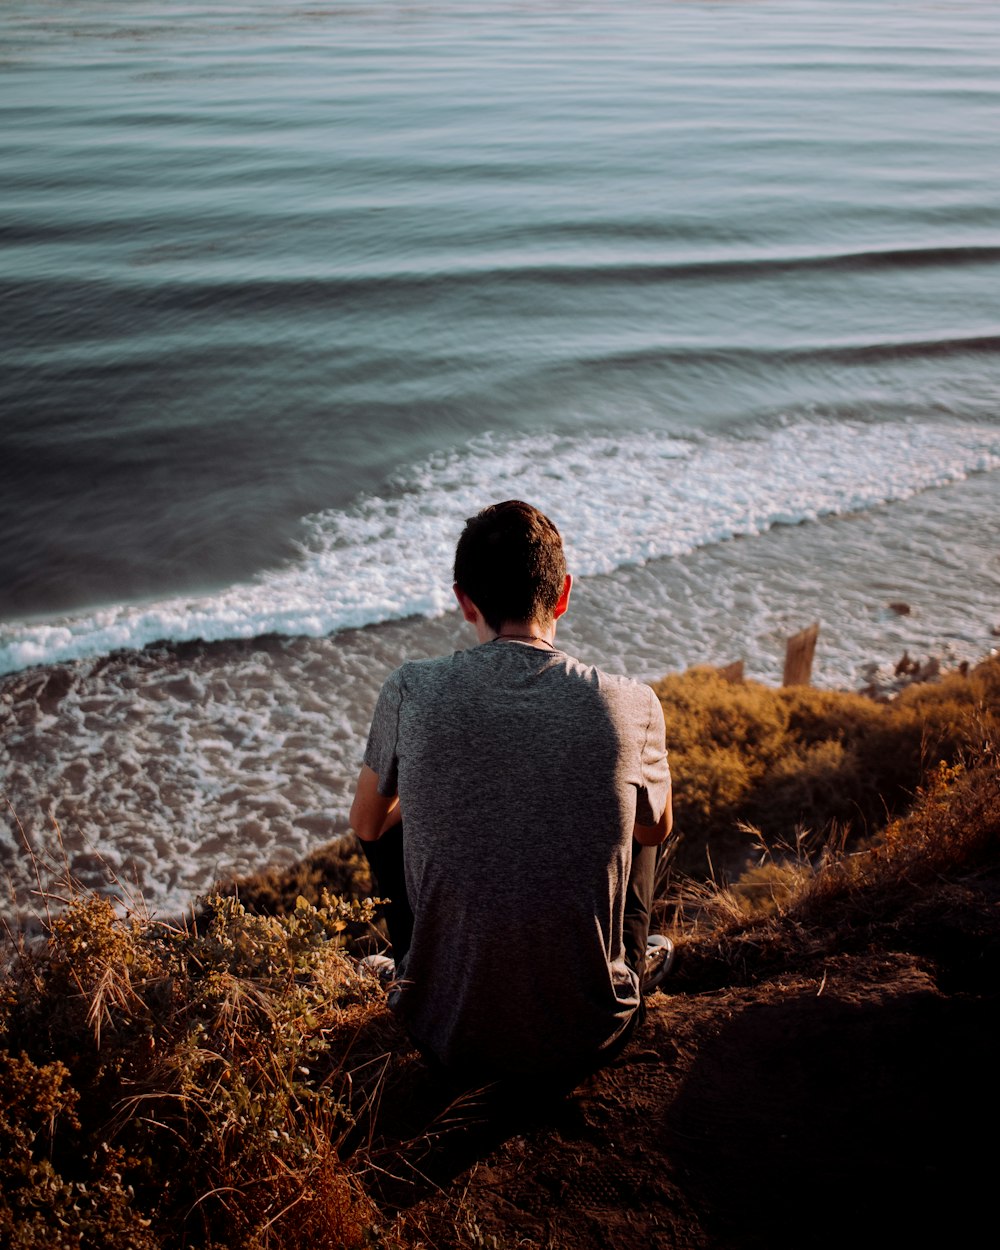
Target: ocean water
(288, 290)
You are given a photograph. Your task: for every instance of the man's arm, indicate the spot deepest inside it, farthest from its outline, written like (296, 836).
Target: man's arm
(653, 835)
(373, 813)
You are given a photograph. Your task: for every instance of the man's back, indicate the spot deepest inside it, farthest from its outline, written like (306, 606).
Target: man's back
(521, 773)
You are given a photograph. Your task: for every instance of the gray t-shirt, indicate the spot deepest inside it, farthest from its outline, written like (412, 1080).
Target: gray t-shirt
(520, 774)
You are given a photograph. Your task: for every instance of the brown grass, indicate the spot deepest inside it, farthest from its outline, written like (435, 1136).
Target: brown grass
(830, 763)
(918, 887)
(173, 1086)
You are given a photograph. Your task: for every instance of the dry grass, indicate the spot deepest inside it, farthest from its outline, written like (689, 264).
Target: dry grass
(171, 1086)
(782, 761)
(926, 884)
(339, 868)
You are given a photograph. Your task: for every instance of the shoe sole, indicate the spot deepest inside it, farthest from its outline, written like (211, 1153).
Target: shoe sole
(656, 976)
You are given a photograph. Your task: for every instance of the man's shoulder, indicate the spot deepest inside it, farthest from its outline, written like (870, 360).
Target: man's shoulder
(582, 692)
(412, 674)
(611, 684)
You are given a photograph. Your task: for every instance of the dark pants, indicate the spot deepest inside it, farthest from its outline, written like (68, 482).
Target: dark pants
(385, 858)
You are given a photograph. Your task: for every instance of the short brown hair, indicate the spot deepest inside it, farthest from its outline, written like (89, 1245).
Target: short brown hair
(510, 562)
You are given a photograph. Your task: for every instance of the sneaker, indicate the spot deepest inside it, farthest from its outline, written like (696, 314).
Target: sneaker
(380, 966)
(660, 952)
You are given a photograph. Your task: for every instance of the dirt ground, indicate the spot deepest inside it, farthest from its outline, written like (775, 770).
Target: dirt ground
(851, 1103)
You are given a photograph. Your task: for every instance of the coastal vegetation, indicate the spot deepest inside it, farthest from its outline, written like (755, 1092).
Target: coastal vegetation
(798, 762)
(236, 1080)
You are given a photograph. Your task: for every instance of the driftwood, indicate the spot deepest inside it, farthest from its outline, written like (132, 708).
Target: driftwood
(799, 656)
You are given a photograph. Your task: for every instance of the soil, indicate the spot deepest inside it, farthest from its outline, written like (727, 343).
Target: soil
(852, 1102)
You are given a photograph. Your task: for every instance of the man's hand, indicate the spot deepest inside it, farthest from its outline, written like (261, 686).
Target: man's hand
(653, 835)
(373, 813)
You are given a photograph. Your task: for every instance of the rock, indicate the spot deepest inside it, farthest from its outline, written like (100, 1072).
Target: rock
(59, 684)
(900, 608)
(906, 667)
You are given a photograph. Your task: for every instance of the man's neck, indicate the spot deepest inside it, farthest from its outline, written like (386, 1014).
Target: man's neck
(532, 633)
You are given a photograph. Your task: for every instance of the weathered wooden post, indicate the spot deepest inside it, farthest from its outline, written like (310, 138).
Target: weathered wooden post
(799, 654)
(731, 672)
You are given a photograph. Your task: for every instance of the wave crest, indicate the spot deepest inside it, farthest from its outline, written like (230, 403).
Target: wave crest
(618, 501)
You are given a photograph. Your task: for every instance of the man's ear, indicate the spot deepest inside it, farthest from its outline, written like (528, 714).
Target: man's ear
(563, 602)
(469, 609)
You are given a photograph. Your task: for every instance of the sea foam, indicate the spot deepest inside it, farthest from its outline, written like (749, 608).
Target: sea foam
(620, 500)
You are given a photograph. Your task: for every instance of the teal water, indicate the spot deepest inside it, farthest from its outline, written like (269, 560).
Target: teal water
(259, 259)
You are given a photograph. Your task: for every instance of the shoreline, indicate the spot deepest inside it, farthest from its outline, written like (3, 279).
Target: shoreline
(190, 762)
(735, 575)
(204, 799)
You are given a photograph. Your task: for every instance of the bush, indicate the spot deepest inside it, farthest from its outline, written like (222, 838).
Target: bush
(926, 884)
(784, 760)
(165, 1087)
(338, 868)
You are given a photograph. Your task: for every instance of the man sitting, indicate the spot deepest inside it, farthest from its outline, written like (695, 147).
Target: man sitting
(535, 791)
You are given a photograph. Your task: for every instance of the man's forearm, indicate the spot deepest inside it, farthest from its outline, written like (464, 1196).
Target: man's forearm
(393, 817)
(373, 813)
(653, 835)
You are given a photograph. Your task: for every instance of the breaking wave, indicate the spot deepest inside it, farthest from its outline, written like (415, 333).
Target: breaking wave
(619, 500)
